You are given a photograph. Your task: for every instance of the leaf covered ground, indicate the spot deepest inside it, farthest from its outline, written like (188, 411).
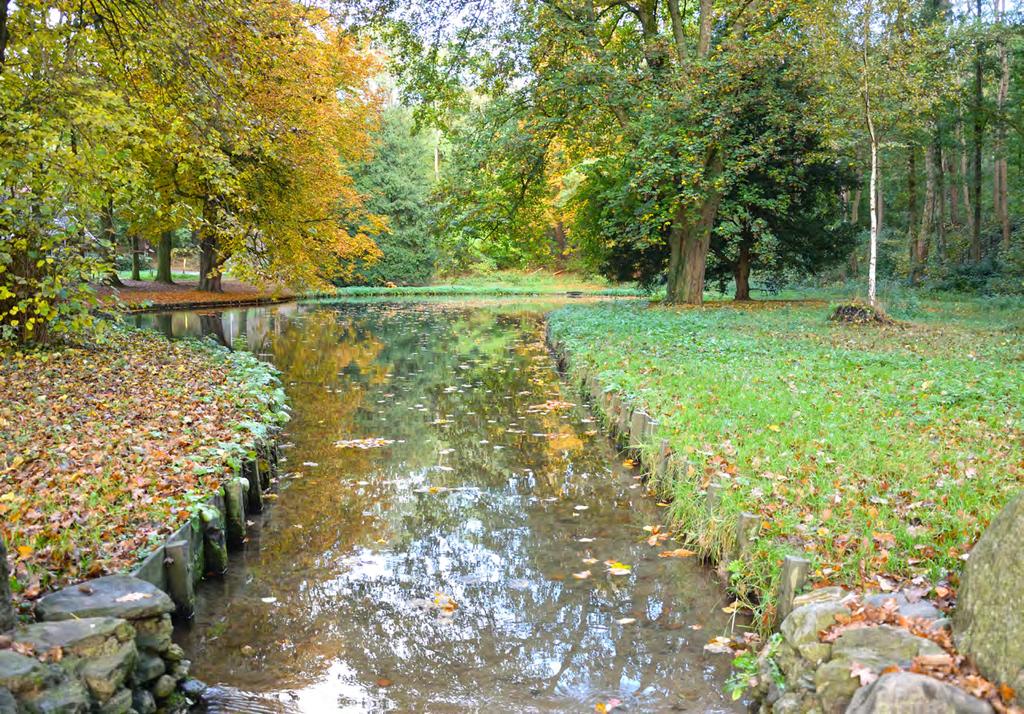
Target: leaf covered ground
(879, 452)
(105, 450)
(143, 295)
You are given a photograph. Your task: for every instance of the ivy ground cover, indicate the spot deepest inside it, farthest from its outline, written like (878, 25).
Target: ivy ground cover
(878, 452)
(106, 450)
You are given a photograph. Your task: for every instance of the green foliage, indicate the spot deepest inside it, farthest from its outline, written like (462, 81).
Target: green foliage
(397, 182)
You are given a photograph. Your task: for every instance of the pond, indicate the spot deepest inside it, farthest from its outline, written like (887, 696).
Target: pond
(450, 533)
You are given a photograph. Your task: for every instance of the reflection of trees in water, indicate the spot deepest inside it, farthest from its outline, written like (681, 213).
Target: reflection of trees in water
(503, 552)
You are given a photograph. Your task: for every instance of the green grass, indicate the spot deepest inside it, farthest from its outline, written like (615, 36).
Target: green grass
(151, 275)
(507, 282)
(870, 450)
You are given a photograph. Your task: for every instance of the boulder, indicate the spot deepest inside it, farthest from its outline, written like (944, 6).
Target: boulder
(119, 596)
(988, 624)
(148, 667)
(921, 609)
(154, 634)
(893, 645)
(7, 703)
(19, 673)
(89, 637)
(107, 674)
(908, 693)
(801, 627)
(120, 703)
(67, 698)
(873, 648)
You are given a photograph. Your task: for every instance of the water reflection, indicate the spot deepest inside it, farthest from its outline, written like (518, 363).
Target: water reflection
(436, 572)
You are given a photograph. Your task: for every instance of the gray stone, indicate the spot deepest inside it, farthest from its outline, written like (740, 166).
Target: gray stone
(19, 673)
(143, 702)
(833, 594)
(988, 624)
(154, 634)
(908, 693)
(120, 596)
(874, 648)
(105, 675)
(7, 703)
(913, 610)
(164, 686)
(801, 628)
(794, 703)
(120, 703)
(180, 669)
(67, 698)
(174, 653)
(148, 667)
(193, 688)
(894, 645)
(88, 637)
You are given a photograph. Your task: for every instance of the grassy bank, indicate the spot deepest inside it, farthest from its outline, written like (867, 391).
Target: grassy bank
(105, 450)
(503, 283)
(877, 452)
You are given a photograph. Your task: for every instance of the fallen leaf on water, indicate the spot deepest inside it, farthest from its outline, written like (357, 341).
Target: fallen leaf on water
(604, 707)
(581, 507)
(585, 540)
(732, 607)
(582, 575)
(677, 553)
(268, 600)
(590, 561)
(626, 620)
(384, 682)
(719, 645)
(617, 568)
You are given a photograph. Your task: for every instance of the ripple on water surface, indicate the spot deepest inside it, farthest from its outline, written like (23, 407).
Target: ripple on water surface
(452, 534)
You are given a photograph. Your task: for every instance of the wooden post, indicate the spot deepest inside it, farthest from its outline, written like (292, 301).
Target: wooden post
(714, 495)
(234, 508)
(622, 427)
(661, 464)
(251, 473)
(7, 619)
(748, 527)
(794, 577)
(215, 547)
(178, 566)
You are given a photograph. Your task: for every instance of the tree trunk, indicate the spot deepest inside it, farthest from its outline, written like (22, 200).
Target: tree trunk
(1001, 193)
(209, 262)
(4, 35)
(940, 197)
(741, 272)
(977, 141)
(873, 136)
(690, 239)
(163, 258)
(954, 196)
(965, 183)
(921, 245)
(855, 207)
(109, 246)
(913, 217)
(136, 250)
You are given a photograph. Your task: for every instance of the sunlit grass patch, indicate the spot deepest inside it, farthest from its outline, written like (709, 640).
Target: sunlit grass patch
(871, 449)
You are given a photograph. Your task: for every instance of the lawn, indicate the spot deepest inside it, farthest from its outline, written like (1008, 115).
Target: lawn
(505, 282)
(878, 452)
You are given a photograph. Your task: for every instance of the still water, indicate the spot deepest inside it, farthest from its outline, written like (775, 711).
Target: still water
(442, 531)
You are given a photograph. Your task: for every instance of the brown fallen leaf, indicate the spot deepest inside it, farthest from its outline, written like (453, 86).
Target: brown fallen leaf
(677, 553)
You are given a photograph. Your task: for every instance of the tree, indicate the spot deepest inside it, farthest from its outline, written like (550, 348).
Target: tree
(652, 83)
(397, 183)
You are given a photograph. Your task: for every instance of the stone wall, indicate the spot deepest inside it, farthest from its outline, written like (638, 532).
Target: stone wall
(105, 645)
